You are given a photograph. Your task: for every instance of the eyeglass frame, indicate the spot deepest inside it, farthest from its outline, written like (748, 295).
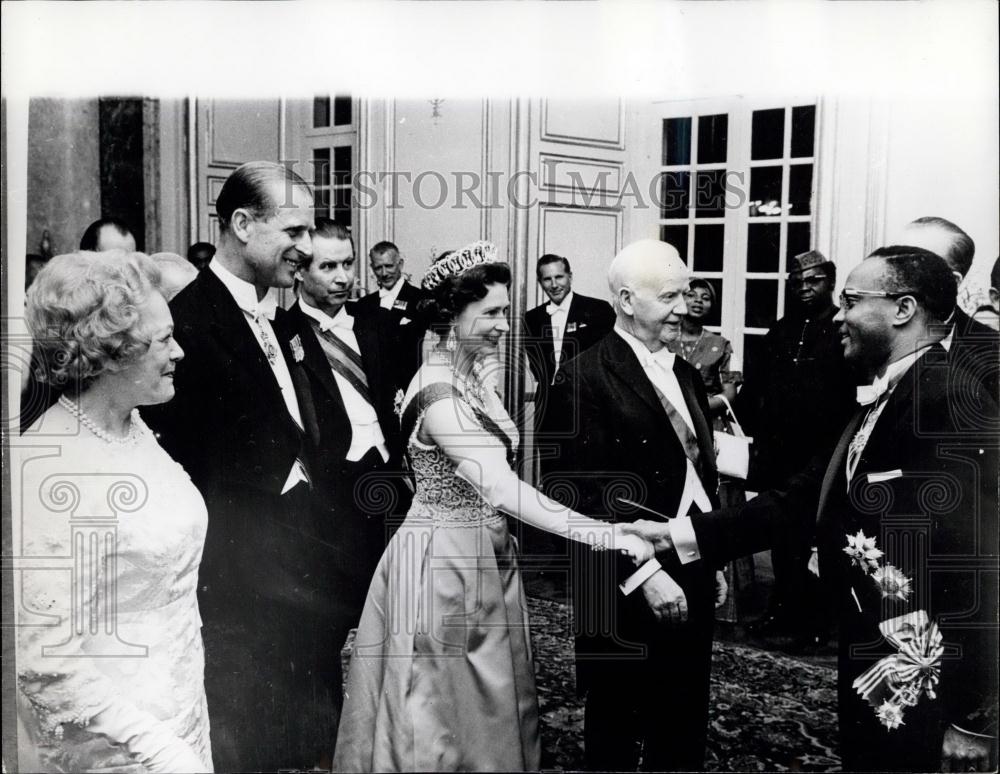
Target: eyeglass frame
(859, 293)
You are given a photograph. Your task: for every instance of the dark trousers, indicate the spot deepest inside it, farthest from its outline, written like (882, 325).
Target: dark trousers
(654, 709)
(272, 671)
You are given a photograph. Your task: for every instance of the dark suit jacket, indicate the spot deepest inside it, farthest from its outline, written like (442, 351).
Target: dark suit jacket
(588, 321)
(410, 324)
(623, 444)
(354, 502)
(976, 349)
(935, 517)
(229, 427)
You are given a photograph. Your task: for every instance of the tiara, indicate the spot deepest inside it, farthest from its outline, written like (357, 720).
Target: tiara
(457, 262)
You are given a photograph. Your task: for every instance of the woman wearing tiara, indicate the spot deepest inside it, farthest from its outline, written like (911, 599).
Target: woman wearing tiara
(441, 676)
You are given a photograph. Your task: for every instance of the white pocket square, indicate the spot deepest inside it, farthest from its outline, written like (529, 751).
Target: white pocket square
(404, 321)
(886, 475)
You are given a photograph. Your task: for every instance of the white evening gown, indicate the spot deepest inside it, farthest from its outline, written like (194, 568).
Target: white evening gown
(111, 538)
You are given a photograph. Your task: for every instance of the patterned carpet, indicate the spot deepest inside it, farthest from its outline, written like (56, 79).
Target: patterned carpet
(769, 712)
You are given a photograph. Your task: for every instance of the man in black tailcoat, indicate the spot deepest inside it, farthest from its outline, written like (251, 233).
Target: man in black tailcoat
(906, 529)
(345, 377)
(640, 439)
(401, 302)
(561, 329)
(238, 430)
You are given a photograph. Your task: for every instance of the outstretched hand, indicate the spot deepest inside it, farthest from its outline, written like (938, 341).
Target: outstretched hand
(655, 532)
(635, 547)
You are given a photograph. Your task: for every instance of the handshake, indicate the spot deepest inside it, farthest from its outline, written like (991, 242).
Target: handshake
(654, 533)
(641, 540)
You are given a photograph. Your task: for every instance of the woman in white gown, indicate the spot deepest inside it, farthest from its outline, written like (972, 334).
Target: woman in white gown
(441, 677)
(109, 653)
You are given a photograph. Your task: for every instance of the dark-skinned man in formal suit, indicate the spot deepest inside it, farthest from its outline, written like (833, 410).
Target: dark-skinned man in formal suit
(905, 526)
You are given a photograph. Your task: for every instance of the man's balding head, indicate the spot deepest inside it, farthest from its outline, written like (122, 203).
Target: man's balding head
(647, 281)
(108, 234)
(943, 238)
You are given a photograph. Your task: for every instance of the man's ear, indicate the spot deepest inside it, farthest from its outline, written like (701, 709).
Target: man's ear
(906, 310)
(241, 224)
(625, 300)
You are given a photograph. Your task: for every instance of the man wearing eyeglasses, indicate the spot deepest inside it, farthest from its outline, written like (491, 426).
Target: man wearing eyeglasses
(797, 397)
(906, 526)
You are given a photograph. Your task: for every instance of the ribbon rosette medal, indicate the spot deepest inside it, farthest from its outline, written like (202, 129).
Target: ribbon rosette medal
(298, 354)
(897, 681)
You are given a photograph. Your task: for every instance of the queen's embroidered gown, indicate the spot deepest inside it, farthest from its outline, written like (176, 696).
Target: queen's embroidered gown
(442, 677)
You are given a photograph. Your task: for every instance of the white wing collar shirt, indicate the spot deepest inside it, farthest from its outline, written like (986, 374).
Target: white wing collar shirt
(874, 395)
(558, 313)
(659, 367)
(366, 433)
(259, 315)
(386, 298)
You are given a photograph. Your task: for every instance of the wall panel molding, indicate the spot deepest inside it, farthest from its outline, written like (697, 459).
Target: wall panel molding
(568, 123)
(555, 172)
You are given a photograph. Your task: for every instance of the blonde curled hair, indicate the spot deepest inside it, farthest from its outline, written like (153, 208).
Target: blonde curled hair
(83, 311)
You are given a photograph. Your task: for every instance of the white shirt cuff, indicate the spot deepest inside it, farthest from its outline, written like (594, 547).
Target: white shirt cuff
(684, 540)
(640, 576)
(296, 476)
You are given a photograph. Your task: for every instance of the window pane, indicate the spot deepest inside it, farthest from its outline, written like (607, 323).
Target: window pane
(342, 110)
(765, 191)
(710, 196)
(321, 112)
(321, 167)
(709, 240)
(342, 206)
(321, 181)
(767, 140)
(799, 189)
(798, 242)
(342, 165)
(674, 203)
(803, 130)
(676, 236)
(321, 202)
(676, 141)
(714, 317)
(712, 135)
(762, 246)
(762, 303)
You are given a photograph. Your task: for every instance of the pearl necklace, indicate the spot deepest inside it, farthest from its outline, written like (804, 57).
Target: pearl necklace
(137, 428)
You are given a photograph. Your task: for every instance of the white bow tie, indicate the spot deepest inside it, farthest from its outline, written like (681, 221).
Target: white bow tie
(553, 308)
(868, 394)
(664, 358)
(343, 321)
(266, 307)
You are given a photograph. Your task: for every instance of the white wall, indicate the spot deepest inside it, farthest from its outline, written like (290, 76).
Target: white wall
(943, 160)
